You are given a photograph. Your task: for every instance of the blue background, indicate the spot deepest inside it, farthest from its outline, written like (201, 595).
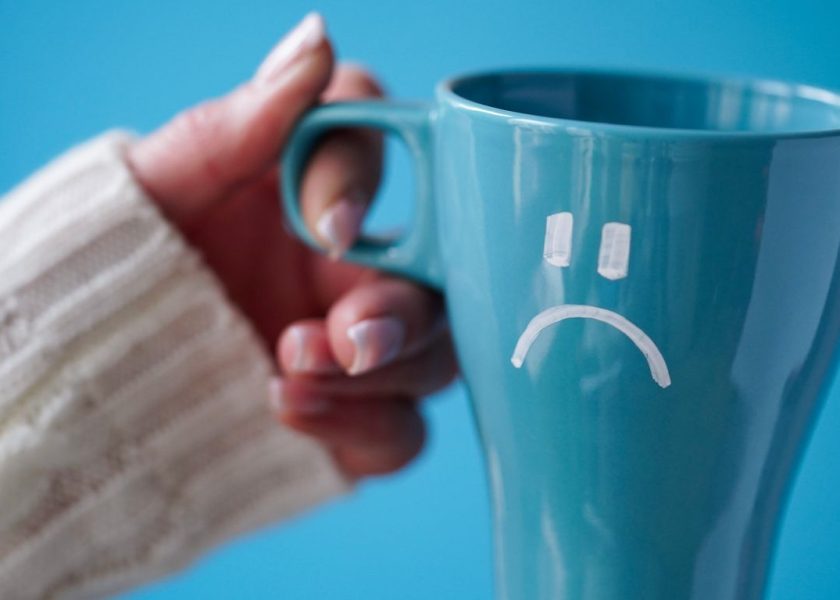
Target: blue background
(71, 69)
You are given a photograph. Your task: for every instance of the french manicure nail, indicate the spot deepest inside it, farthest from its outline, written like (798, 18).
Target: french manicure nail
(340, 224)
(303, 359)
(303, 38)
(376, 342)
(280, 402)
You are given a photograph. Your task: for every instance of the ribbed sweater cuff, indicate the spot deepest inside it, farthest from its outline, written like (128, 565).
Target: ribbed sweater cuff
(134, 428)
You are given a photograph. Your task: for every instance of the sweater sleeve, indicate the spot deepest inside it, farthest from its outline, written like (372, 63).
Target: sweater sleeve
(134, 427)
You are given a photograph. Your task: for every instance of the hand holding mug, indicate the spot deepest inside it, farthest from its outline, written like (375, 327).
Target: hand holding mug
(356, 348)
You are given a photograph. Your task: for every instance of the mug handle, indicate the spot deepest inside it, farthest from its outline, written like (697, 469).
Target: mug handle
(415, 254)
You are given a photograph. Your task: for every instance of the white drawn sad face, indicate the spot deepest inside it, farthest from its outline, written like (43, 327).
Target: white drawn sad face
(613, 258)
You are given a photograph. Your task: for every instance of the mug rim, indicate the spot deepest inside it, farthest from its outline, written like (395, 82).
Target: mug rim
(825, 95)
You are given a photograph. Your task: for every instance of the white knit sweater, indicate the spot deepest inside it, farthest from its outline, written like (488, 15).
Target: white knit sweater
(134, 428)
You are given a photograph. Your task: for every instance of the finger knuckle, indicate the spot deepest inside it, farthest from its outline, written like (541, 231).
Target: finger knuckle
(200, 127)
(199, 123)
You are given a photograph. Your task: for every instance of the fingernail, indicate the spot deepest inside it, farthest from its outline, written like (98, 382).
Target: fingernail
(340, 224)
(376, 342)
(280, 402)
(303, 359)
(306, 36)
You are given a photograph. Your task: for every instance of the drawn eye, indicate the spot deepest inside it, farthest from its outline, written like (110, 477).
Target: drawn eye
(614, 255)
(557, 249)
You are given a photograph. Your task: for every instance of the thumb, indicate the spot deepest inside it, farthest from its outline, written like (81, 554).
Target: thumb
(207, 151)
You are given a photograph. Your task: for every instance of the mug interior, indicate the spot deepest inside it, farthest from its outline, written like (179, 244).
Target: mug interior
(665, 102)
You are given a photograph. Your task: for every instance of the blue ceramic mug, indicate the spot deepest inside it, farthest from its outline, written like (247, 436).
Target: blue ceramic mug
(641, 274)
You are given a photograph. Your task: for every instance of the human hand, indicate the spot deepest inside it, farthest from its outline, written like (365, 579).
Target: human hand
(357, 348)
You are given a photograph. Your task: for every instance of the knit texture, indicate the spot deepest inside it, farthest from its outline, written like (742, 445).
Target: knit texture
(134, 426)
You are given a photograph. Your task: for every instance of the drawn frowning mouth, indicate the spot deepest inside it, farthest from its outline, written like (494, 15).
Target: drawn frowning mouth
(555, 314)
